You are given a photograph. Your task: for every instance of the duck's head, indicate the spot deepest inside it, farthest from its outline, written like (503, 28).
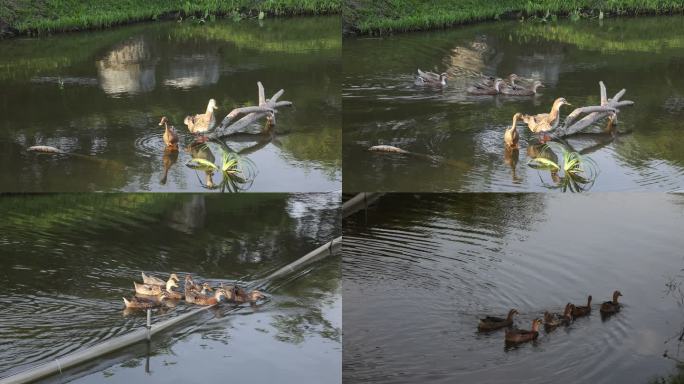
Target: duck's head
(171, 284)
(220, 293)
(174, 276)
(497, 84)
(513, 77)
(163, 120)
(206, 287)
(256, 295)
(536, 323)
(616, 294)
(164, 296)
(212, 105)
(443, 77)
(561, 101)
(538, 84)
(511, 313)
(517, 116)
(589, 300)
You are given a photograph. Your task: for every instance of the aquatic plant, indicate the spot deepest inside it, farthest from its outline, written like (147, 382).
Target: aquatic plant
(577, 173)
(237, 172)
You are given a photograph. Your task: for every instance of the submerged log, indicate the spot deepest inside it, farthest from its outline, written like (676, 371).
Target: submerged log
(267, 108)
(609, 108)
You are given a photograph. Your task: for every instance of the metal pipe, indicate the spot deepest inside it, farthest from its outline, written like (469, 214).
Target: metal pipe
(73, 359)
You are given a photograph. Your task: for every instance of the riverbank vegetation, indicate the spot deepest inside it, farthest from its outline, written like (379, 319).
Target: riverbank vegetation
(381, 17)
(29, 17)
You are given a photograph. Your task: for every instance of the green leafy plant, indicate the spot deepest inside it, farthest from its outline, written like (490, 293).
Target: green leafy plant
(237, 172)
(577, 172)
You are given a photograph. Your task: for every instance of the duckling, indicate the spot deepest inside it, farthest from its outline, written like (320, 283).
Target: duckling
(153, 290)
(204, 121)
(194, 297)
(144, 303)
(152, 280)
(610, 307)
(521, 335)
(240, 295)
(553, 320)
(480, 89)
(431, 78)
(511, 136)
(491, 323)
(170, 136)
(545, 122)
(490, 80)
(582, 310)
(517, 90)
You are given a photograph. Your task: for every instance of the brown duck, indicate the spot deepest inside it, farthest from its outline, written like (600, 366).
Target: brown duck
(204, 121)
(239, 295)
(492, 323)
(610, 307)
(170, 136)
(511, 136)
(545, 122)
(582, 310)
(144, 303)
(195, 297)
(522, 335)
(553, 320)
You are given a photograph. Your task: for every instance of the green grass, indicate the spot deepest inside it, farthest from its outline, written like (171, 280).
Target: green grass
(386, 16)
(47, 16)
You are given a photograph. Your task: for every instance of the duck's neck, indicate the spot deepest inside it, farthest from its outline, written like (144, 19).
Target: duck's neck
(589, 301)
(510, 315)
(568, 311)
(169, 285)
(555, 112)
(515, 121)
(166, 127)
(615, 298)
(535, 87)
(535, 326)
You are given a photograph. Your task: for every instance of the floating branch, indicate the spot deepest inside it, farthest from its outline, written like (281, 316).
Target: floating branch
(609, 108)
(267, 108)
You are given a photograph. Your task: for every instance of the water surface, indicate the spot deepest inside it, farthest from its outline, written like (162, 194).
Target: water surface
(383, 106)
(66, 261)
(422, 269)
(99, 96)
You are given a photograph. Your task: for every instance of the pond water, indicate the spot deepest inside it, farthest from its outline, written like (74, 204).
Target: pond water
(382, 106)
(66, 261)
(422, 269)
(99, 97)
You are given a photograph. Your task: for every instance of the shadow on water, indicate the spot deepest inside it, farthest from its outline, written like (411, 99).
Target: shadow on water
(422, 269)
(68, 259)
(384, 107)
(98, 98)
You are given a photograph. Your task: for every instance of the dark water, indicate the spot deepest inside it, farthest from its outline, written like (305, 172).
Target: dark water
(66, 261)
(382, 105)
(100, 95)
(421, 270)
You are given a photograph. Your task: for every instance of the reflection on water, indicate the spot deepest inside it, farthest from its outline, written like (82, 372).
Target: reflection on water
(422, 269)
(384, 107)
(127, 68)
(101, 96)
(66, 261)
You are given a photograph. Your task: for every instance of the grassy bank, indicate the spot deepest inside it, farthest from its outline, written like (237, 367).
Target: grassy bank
(47, 16)
(386, 16)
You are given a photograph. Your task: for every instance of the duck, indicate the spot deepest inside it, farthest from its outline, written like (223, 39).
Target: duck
(553, 320)
(610, 307)
(582, 310)
(511, 136)
(545, 122)
(144, 303)
(204, 121)
(153, 290)
(490, 80)
(491, 323)
(240, 295)
(431, 78)
(517, 90)
(521, 335)
(170, 137)
(481, 89)
(194, 297)
(152, 280)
